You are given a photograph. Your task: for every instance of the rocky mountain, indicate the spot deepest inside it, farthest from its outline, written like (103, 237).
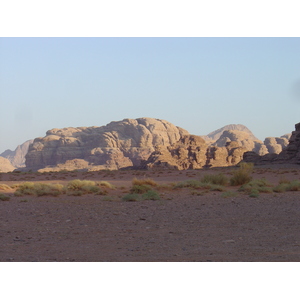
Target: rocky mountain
(17, 157)
(215, 135)
(117, 145)
(5, 165)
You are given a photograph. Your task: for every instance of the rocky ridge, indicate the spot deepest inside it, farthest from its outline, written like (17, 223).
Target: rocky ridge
(290, 150)
(17, 157)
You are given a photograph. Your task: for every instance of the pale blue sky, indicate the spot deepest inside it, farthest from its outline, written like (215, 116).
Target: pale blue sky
(200, 84)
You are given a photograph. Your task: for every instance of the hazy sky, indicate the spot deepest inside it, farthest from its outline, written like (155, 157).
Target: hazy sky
(200, 84)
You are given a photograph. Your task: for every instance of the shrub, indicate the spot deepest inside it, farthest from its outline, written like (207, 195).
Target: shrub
(294, 186)
(131, 197)
(4, 197)
(140, 189)
(242, 175)
(151, 195)
(146, 181)
(281, 188)
(192, 183)
(254, 187)
(105, 184)
(219, 179)
(39, 189)
(4, 187)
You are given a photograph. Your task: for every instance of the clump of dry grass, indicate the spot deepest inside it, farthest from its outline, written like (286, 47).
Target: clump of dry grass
(4, 187)
(219, 179)
(39, 189)
(144, 181)
(242, 175)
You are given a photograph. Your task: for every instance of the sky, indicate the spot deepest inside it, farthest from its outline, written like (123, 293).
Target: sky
(197, 83)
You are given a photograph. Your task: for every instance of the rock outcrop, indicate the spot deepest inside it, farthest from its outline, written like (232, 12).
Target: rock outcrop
(117, 145)
(17, 157)
(188, 153)
(192, 152)
(290, 151)
(5, 165)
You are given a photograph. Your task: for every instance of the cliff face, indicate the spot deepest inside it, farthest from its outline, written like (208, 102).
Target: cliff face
(289, 154)
(192, 152)
(117, 145)
(17, 157)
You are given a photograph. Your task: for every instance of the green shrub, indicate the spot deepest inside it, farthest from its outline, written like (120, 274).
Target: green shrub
(294, 186)
(131, 197)
(4, 197)
(140, 189)
(219, 179)
(281, 188)
(192, 183)
(242, 175)
(151, 195)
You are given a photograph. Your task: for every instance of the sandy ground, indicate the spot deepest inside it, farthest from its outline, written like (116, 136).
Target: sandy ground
(182, 226)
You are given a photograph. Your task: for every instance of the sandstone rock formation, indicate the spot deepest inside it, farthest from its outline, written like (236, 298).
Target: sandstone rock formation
(17, 157)
(188, 153)
(117, 145)
(289, 154)
(215, 135)
(192, 152)
(5, 165)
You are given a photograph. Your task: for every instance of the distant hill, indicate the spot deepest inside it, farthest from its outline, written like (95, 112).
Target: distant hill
(17, 157)
(215, 135)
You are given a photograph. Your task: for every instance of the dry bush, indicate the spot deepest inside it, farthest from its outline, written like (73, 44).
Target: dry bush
(219, 179)
(39, 189)
(145, 181)
(79, 187)
(242, 175)
(4, 187)
(105, 184)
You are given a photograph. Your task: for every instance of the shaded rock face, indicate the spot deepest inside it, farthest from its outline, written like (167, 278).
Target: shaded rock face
(117, 145)
(5, 165)
(192, 152)
(17, 157)
(290, 150)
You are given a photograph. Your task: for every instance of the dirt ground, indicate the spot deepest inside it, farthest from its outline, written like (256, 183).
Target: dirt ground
(180, 227)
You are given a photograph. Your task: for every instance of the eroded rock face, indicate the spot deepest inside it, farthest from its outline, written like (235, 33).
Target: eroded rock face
(192, 152)
(5, 165)
(290, 150)
(117, 145)
(188, 153)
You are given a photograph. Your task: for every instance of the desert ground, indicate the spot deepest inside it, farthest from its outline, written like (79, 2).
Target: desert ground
(184, 224)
